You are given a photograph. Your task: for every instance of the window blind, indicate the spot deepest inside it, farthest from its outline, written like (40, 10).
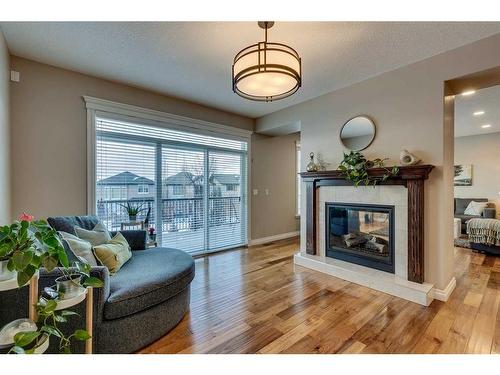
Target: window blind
(190, 187)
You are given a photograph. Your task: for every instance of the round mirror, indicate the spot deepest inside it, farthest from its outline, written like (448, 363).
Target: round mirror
(358, 133)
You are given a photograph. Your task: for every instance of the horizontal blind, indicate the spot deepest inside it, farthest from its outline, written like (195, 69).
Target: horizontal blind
(163, 134)
(125, 176)
(183, 209)
(227, 211)
(191, 187)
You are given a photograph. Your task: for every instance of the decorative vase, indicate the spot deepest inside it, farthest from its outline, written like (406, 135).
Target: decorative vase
(407, 158)
(5, 274)
(311, 166)
(69, 286)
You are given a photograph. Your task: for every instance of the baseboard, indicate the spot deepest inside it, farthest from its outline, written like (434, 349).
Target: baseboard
(444, 294)
(276, 237)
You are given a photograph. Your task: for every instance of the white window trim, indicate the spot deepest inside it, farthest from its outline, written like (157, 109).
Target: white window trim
(116, 110)
(297, 181)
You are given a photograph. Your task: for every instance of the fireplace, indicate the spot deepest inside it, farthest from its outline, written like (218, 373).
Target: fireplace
(361, 234)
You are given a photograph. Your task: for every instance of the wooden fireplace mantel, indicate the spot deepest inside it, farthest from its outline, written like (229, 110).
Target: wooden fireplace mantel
(412, 177)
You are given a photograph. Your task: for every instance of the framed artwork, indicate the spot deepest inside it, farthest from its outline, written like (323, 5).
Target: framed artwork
(463, 175)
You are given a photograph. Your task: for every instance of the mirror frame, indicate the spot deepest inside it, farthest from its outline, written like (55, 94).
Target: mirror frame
(349, 120)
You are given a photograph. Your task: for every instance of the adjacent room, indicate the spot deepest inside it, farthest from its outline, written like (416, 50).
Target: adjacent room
(250, 187)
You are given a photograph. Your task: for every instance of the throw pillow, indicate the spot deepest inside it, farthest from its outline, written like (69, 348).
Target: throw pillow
(81, 248)
(113, 254)
(97, 236)
(475, 208)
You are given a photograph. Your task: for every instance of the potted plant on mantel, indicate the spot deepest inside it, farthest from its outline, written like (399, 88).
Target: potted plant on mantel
(133, 211)
(354, 167)
(26, 246)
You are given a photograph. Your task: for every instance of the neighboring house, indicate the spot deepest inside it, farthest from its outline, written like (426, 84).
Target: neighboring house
(225, 185)
(125, 186)
(183, 185)
(188, 185)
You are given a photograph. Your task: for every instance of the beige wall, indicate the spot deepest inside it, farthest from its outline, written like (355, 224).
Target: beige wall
(49, 133)
(274, 169)
(4, 133)
(483, 152)
(408, 107)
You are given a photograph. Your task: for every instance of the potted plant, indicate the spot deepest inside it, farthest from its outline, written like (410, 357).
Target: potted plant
(26, 245)
(354, 167)
(132, 211)
(74, 280)
(152, 234)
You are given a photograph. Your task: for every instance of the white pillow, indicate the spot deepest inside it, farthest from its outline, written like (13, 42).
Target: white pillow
(475, 208)
(81, 248)
(97, 236)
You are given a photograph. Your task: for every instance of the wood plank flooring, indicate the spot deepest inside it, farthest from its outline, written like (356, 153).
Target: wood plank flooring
(256, 301)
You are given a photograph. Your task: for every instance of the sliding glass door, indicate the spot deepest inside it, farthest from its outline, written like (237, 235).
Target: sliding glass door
(183, 188)
(226, 210)
(191, 188)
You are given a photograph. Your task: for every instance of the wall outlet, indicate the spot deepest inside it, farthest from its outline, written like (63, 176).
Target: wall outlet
(15, 76)
(255, 191)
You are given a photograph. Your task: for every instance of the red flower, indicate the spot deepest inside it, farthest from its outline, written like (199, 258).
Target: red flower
(26, 217)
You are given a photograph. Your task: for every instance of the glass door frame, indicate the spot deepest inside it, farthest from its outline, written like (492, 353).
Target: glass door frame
(160, 144)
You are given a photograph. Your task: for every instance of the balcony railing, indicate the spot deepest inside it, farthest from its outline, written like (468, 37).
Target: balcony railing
(177, 214)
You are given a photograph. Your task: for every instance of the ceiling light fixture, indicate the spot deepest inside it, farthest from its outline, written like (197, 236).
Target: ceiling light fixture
(468, 93)
(266, 71)
(486, 126)
(478, 113)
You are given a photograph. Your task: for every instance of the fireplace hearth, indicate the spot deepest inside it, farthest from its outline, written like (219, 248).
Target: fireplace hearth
(361, 233)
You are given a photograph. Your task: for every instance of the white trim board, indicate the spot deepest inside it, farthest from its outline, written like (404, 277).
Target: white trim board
(276, 237)
(114, 110)
(444, 294)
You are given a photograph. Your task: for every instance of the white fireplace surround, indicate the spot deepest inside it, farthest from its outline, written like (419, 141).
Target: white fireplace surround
(396, 284)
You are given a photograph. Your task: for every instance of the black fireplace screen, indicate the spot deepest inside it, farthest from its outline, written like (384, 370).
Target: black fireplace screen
(361, 234)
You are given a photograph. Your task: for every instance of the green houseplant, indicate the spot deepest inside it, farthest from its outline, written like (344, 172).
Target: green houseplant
(26, 246)
(354, 167)
(133, 211)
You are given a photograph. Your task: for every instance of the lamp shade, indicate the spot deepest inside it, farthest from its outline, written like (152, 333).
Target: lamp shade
(266, 72)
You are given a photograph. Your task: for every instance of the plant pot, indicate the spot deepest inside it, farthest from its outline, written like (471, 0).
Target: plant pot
(5, 274)
(69, 286)
(132, 217)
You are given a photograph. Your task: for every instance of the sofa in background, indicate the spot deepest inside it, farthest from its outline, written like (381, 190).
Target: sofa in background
(462, 203)
(143, 301)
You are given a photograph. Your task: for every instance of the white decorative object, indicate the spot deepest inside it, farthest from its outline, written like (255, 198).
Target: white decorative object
(321, 164)
(457, 228)
(475, 208)
(407, 158)
(5, 274)
(11, 329)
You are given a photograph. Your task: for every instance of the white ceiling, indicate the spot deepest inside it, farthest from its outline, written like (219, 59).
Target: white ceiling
(487, 100)
(192, 60)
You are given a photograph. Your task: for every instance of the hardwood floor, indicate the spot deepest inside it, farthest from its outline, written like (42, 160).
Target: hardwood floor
(256, 301)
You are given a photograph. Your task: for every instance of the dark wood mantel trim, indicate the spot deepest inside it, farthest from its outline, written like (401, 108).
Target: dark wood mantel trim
(412, 177)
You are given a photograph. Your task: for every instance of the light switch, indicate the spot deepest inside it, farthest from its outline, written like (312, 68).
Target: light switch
(14, 76)
(255, 191)
(267, 191)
